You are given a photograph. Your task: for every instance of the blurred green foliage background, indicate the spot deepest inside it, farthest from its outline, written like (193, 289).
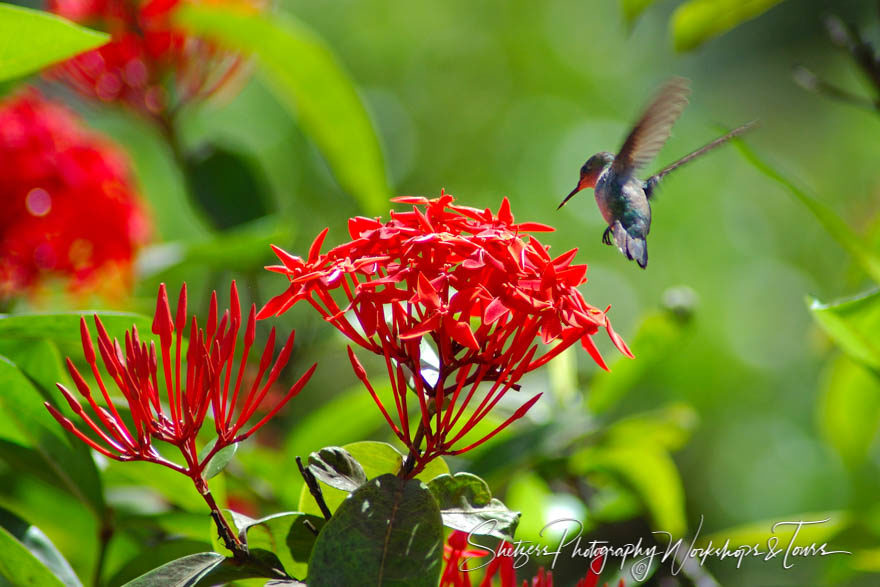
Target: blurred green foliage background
(508, 98)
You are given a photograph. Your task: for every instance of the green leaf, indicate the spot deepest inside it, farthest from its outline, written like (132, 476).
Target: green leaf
(354, 415)
(854, 325)
(376, 458)
(286, 534)
(65, 327)
(312, 83)
(337, 468)
(25, 421)
(848, 410)
(390, 532)
(219, 461)
(696, 21)
(650, 472)
(19, 566)
(155, 556)
(19, 539)
(633, 8)
(40, 360)
(32, 40)
(182, 572)
(855, 245)
(466, 504)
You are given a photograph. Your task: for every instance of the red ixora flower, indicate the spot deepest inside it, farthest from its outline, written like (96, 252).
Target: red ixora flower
(68, 207)
(169, 403)
(149, 64)
(451, 297)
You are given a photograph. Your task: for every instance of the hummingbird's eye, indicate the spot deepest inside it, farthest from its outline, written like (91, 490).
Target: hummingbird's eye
(585, 169)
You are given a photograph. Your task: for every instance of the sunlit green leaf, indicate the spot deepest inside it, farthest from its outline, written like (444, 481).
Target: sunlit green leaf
(287, 534)
(29, 424)
(219, 461)
(696, 21)
(156, 556)
(65, 327)
(855, 245)
(310, 81)
(849, 409)
(376, 458)
(669, 428)
(337, 468)
(466, 504)
(391, 533)
(32, 40)
(18, 567)
(182, 572)
(854, 325)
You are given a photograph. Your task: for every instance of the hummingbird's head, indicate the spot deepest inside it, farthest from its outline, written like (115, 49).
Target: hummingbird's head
(590, 173)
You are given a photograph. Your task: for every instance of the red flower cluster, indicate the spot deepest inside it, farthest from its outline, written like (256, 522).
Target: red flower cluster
(172, 407)
(148, 65)
(457, 573)
(67, 204)
(463, 279)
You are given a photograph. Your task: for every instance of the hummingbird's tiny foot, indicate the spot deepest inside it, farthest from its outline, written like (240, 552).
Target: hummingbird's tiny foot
(606, 236)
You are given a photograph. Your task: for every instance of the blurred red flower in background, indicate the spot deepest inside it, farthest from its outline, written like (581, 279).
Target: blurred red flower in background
(68, 207)
(468, 282)
(149, 64)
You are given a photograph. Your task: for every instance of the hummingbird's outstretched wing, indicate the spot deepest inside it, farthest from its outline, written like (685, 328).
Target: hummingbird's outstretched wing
(652, 181)
(653, 128)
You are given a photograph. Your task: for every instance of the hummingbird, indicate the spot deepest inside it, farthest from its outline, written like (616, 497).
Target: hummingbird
(623, 198)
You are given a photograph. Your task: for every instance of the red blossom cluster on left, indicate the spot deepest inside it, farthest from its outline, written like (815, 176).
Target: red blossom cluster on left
(168, 402)
(68, 207)
(499, 570)
(149, 65)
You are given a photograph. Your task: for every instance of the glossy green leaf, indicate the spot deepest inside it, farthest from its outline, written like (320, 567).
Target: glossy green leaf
(854, 325)
(219, 461)
(696, 21)
(286, 534)
(44, 560)
(337, 468)
(376, 458)
(312, 83)
(28, 423)
(156, 556)
(33, 39)
(40, 360)
(649, 471)
(854, 244)
(354, 415)
(390, 532)
(848, 409)
(183, 572)
(65, 327)
(466, 504)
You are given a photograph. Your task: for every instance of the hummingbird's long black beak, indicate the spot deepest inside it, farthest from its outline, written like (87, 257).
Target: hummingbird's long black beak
(569, 196)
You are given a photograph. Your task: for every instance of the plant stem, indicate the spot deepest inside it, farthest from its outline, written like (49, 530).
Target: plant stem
(105, 534)
(224, 530)
(314, 489)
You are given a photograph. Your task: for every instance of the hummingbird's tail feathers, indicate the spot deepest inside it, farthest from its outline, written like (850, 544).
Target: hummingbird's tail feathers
(652, 181)
(635, 248)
